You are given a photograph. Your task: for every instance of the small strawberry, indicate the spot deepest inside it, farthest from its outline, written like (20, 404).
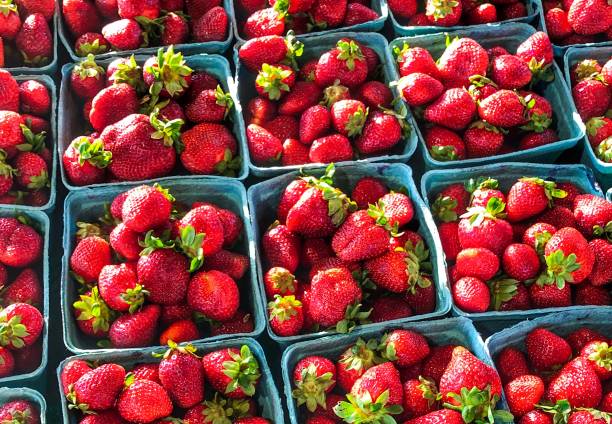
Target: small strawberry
(179, 332)
(34, 97)
(279, 281)
(290, 196)
(210, 148)
(420, 397)
(479, 263)
(367, 191)
(35, 41)
(32, 171)
(92, 315)
(265, 22)
(314, 122)
(313, 377)
(26, 288)
(485, 13)
(175, 29)
(404, 347)
(345, 63)
(135, 330)
(550, 296)
(87, 78)
(333, 148)
(334, 299)
(383, 130)
(263, 146)
(415, 59)
(485, 227)
(354, 362)
(419, 89)
(509, 72)
(89, 257)
(471, 294)
(273, 81)
(91, 43)
(144, 401)
(523, 394)
(10, 23)
(97, 389)
(85, 161)
(281, 247)
(511, 364)
(591, 96)
(375, 94)
(233, 264)
(521, 261)
(286, 315)
(454, 109)
(209, 106)
(568, 258)
(329, 14)
(182, 375)
(214, 294)
(536, 51)
(267, 49)
(303, 95)
(234, 372)
(119, 288)
(124, 34)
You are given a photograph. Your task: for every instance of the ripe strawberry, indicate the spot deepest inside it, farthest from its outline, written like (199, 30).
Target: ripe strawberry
(263, 146)
(462, 59)
(442, 416)
(416, 59)
(509, 72)
(485, 228)
(532, 140)
(328, 13)
(26, 288)
(557, 24)
(511, 364)
(313, 377)
(314, 122)
(91, 43)
(92, 315)
(536, 51)
(294, 153)
(264, 22)
(333, 293)
(97, 390)
(10, 130)
(568, 257)
(10, 96)
(389, 309)
(471, 294)
(550, 296)
(444, 13)
(31, 170)
(133, 8)
(279, 281)
(546, 351)
(450, 203)
(592, 213)
(523, 394)
(144, 401)
(124, 34)
(104, 417)
(233, 264)
(135, 330)
(164, 274)
(352, 364)
(260, 110)
(529, 197)
(602, 272)
(286, 315)
(315, 250)
(348, 117)
(35, 41)
(281, 247)
(479, 263)
(536, 417)
(88, 258)
(454, 109)
(374, 94)
(85, 161)
(482, 140)
(360, 237)
(290, 196)
(303, 95)
(10, 23)
(266, 49)
(367, 191)
(209, 106)
(209, 149)
(403, 10)
(283, 127)
(212, 26)
(485, 13)
(173, 313)
(240, 323)
(588, 17)
(578, 383)
(34, 98)
(598, 129)
(112, 104)
(419, 89)
(404, 347)
(119, 288)
(71, 372)
(176, 29)
(232, 371)
(333, 148)
(504, 109)
(146, 207)
(521, 261)
(87, 78)
(598, 354)
(591, 97)
(587, 294)
(580, 337)
(274, 81)
(214, 294)
(20, 325)
(182, 375)
(179, 332)
(345, 63)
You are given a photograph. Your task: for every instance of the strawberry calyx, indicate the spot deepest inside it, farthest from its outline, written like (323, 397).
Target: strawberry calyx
(439, 9)
(93, 152)
(479, 81)
(88, 68)
(356, 121)
(169, 74)
(540, 71)
(130, 72)
(168, 131)
(540, 242)
(377, 212)
(430, 392)
(445, 208)
(153, 242)
(310, 389)
(334, 93)
(19, 417)
(87, 229)
(34, 142)
(478, 406)
(229, 165)
(606, 230)
(602, 356)
(224, 100)
(550, 188)
(73, 403)
(190, 243)
(503, 289)
(185, 349)
(272, 79)
(364, 282)
(361, 356)
(283, 280)
(152, 30)
(7, 6)
(480, 183)
(494, 210)
(443, 153)
(217, 411)
(604, 150)
(559, 269)
(586, 68)
(243, 369)
(282, 8)
(92, 307)
(12, 332)
(349, 52)
(6, 170)
(594, 124)
(94, 47)
(386, 349)
(417, 260)
(364, 409)
(488, 127)
(353, 317)
(295, 49)
(560, 410)
(37, 61)
(134, 297)
(338, 203)
(283, 308)
(39, 181)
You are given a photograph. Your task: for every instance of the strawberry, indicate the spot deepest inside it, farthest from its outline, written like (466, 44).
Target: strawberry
(71, 372)
(167, 74)
(87, 78)
(348, 117)
(360, 237)
(399, 270)
(334, 295)
(592, 213)
(133, 8)
(329, 14)
(419, 89)
(314, 122)
(345, 63)
(85, 161)
(579, 338)
(568, 258)
(20, 325)
(454, 109)
(119, 289)
(463, 58)
(209, 149)
(112, 104)
(420, 397)
(135, 330)
(124, 34)
(479, 263)
(234, 372)
(602, 272)
(88, 258)
(578, 383)
(240, 323)
(532, 140)
(503, 108)
(286, 315)
(20, 410)
(404, 347)
(442, 416)
(91, 43)
(389, 309)
(452, 202)
(267, 49)
(126, 242)
(26, 288)
(367, 191)
(294, 153)
(10, 23)
(589, 16)
(264, 22)
(443, 12)
(511, 364)
(281, 247)
(591, 97)
(536, 51)
(598, 129)
(546, 350)
(283, 127)
(313, 377)
(209, 106)
(179, 332)
(529, 197)
(485, 13)
(105, 417)
(333, 148)
(34, 98)
(176, 29)
(521, 261)
(587, 294)
(354, 362)
(144, 401)
(81, 16)
(598, 354)
(482, 140)
(261, 110)
(509, 72)
(146, 207)
(164, 275)
(374, 94)
(536, 417)
(212, 26)
(31, 171)
(403, 9)
(416, 59)
(550, 296)
(35, 41)
(233, 264)
(263, 145)
(303, 95)
(471, 294)
(182, 375)
(214, 294)
(523, 394)
(484, 227)
(290, 196)
(273, 81)
(557, 25)
(584, 69)
(92, 315)
(10, 98)
(98, 389)
(315, 250)
(382, 131)
(279, 281)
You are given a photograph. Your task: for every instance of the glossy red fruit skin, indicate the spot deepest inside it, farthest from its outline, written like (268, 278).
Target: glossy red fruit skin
(479, 263)
(511, 363)
(471, 295)
(281, 248)
(182, 375)
(214, 294)
(521, 262)
(546, 350)
(578, 383)
(135, 330)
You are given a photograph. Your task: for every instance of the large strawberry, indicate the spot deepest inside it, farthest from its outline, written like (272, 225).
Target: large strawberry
(182, 375)
(454, 109)
(214, 294)
(202, 233)
(485, 227)
(363, 235)
(234, 372)
(281, 247)
(314, 377)
(344, 63)
(546, 350)
(119, 289)
(20, 244)
(35, 41)
(578, 383)
(112, 104)
(589, 16)
(529, 197)
(593, 214)
(97, 390)
(26, 288)
(135, 330)
(462, 59)
(503, 108)
(145, 208)
(144, 401)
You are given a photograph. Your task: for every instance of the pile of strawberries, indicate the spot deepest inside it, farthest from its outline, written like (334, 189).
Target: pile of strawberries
(143, 117)
(25, 33)
(21, 320)
(140, 277)
(475, 102)
(329, 109)
(333, 263)
(299, 16)
(219, 387)
(539, 244)
(25, 159)
(577, 21)
(19, 411)
(102, 26)
(593, 98)
(447, 13)
(399, 378)
(559, 380)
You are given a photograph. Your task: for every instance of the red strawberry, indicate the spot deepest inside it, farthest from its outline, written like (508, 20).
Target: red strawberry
(550, 296)
(483, 140)
(532, 140)
(471, 294)
(454, 109)
(266, 49)
(591, 97)
(124, 34)
(9, 91)
(333, 148)
(10, 130)
(579, 338)
(557, 24)
(87, 78)
(10, 23)
(536, 51)
(509, 72)
(214, 294)
(333, 294)
(283, 127)
(419, 89)
(403, 9)
(529, 197)
(212, 26)
(360, 238)
(279, 281)
(146, 207)
(568, 257)
(232, 372)
(71, 372)
(164, 274)
(26, 288)
(536, 417)
(90, 255)
(35, 41)
(303, 95)
(176, 29)
(416, 59)
(523, 394)
(240, 323)
(592, 213)
(577, 383)
(119, 289)
(598, 354)
(133, 8)
(264, 22)
(314, 122)
(179, 332)
(348, 117)
(182, 375)
(587, 294)
(345, 63)
(602, 272)
(389, 309)
(313, 377)
(274, 81)
(511, 364)
(479, 263)
(281, 247)
(233, 264)
(34, 98)
(260, 110)
(352, 364)
(462, 59)
(263, 146)
(209, 149)
(382, 131)
(545, 350)
(31, 171)
(315, 250)
(329, 13)
(485, 228)
(452, 202)
(294, 153)
(91, 43)
(581, 13)
(367, 191)
(598, 129)
(144, 401)
(209, 106)
(442, 416)
(374, 94)
(444, 13)
(504, 109)
(286, 315)
(97, 390)
(135, 330)
(485, 13)
(92, 315)
(521, 261)
(404, 347)
(290, 196)
(104, 417)
(85, 161)
(105, 107)
(81, 16)
(126, 242)
(20, 325)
